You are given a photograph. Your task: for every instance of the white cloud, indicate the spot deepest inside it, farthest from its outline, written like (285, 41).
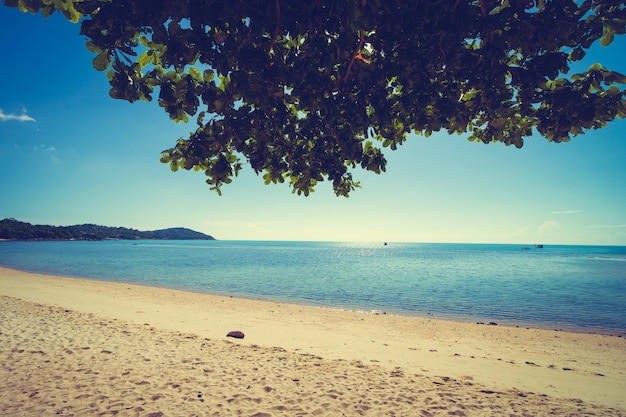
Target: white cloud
(608, 226)
(36, 148)
(19, 117)
(567, 211)
(547, 227)
(236, 229)
(521, 232)
(236, 223)
(44, 147)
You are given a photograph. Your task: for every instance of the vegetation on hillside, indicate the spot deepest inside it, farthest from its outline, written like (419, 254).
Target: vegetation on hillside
(13, 229)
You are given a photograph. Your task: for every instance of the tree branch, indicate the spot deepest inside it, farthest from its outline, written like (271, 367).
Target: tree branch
(358, 48)
(277, 27)
(354, 55)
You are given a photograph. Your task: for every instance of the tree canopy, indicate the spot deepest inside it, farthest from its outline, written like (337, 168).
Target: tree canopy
(307, 91)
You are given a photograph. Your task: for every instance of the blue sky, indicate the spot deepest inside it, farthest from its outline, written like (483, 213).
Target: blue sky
(70, 154)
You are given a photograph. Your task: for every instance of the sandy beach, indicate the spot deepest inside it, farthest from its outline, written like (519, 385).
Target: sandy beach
(74, 347)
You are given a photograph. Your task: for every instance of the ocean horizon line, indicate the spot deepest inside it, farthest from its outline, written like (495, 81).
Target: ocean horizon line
(363, 242)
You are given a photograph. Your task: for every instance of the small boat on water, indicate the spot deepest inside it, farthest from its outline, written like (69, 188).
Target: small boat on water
(540, 246)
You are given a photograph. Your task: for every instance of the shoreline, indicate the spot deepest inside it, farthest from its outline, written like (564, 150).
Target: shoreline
(562, 365)
(549, 326)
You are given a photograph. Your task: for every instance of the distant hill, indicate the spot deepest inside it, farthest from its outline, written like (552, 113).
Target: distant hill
(16, 230)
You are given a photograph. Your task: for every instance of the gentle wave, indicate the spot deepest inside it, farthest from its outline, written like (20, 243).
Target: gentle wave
(580, 287)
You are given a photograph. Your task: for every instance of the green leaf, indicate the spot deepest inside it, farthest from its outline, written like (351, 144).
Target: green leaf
(621, 109)
(71, 14)
(91, 47)
(215, 188)
(195, 73)
(172, 75)
(608, 35)
(30, 6)
(577, 54)
(498, 123)
(102, 61)
(614, 77)
(218, 104)
(11, 3)
(208, 76)
(224, 81)
(613, 91)
(144, 59)
(595, 67)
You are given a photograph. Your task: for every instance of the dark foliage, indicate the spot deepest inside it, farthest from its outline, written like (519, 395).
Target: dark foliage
(306, 91)
(16, 230)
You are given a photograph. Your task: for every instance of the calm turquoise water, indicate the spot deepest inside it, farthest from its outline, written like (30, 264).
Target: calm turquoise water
(568, 287)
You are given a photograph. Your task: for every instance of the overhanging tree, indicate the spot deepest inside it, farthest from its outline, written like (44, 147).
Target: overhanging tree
(306, 91)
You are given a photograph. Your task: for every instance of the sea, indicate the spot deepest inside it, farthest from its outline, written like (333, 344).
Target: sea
(574, 288)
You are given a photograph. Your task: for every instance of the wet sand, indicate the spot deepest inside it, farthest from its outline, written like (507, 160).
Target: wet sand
(76, 347)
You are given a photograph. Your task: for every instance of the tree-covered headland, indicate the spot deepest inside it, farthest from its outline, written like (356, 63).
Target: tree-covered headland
(12, 229)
